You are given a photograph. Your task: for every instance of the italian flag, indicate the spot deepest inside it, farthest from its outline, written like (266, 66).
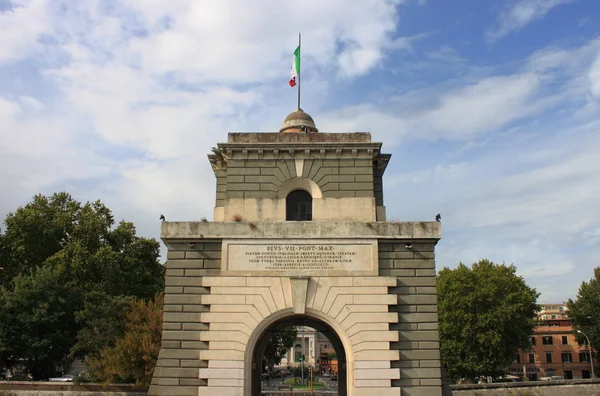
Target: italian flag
(295, 67)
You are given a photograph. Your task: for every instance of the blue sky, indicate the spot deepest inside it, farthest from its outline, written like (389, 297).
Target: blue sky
(490, 109)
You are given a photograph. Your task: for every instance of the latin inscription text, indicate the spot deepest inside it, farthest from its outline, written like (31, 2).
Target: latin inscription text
(285, 257)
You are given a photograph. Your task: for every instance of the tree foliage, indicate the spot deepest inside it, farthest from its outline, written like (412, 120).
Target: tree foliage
(486, 313)
(584, 311)
(102, 319)
(68, 276)
(37, 322)
(280, 343)
(134, 355)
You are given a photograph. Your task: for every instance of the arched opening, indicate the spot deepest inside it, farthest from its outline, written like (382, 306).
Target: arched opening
(254, 385)
(298, 206)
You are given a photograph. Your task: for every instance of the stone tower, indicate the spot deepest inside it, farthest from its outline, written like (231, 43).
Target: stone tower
(299, 237)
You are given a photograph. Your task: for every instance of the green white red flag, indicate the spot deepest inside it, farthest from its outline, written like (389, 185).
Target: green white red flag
(295, 70)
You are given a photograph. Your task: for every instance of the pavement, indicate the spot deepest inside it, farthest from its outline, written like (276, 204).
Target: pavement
(273, 383)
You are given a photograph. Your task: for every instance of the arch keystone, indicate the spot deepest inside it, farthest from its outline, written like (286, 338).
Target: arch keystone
(299, 289)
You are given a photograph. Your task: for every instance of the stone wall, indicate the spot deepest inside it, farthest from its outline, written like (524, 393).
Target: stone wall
(337, 178)
(186, 299)
(537, 388)
(30, 388)
(387, 323)
(348, 177)
(417, 327)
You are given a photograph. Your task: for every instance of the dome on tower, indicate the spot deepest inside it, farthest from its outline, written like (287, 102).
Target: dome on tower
(298, 121)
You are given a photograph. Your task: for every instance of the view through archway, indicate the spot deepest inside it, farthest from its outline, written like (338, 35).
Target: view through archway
(315, 344)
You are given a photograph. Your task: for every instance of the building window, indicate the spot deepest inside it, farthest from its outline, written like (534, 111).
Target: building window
(584, 356)
(547, 340)
(566, 357)
(531, 358)
(298, 206)
(532, 339)
(568, 374)
(565, 340)
(517, 358)
(548, 357)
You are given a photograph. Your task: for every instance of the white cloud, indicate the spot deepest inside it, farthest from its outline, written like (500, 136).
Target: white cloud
(528, 198)
(21, 26)
(525, 192)
(225, 42)
(522, 13)
(146, 87)
(453, 114)
(142, 90)
(594, 76)
(406, 43)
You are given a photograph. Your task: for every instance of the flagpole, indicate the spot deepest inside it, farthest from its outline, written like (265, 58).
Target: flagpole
(300, 68)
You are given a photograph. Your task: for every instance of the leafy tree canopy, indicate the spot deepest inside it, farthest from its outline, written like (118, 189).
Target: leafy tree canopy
(134, 355)
(585, 310)
(56, 249)
(77, 239)
(37, 322)
(280, 343)
(486, 313)
(101, 319)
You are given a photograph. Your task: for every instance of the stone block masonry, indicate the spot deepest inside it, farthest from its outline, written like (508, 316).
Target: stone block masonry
(367, 284)
(388, 321)
(253, 180)
(416, 305)
(187, 300)
(258, 179)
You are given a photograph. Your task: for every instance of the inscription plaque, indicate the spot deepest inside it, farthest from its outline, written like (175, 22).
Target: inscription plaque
(320, 257)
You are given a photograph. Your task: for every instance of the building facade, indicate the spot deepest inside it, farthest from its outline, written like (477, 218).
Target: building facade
(553, 311)
(303, 351)
(299, 238)
(555, 351)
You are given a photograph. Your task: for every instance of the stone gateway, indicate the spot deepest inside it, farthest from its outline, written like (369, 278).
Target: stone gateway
(299, 238)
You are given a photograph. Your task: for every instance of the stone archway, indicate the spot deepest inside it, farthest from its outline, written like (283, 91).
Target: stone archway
(280, 320)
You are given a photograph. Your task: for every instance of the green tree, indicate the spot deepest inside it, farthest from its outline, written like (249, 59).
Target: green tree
(134, 355)
(78, 239)
(102, 320)
(486, 314)
(37, 322)
(278, 345)
(46, 225)
(584, 311)
(103, 266)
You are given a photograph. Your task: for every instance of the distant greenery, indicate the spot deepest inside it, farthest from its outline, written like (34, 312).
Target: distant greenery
(584, 311)
(486, 314)
(296, 381)
(70, 281)
(278, 345)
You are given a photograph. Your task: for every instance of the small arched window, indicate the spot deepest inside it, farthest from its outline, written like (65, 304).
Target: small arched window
(298, 206)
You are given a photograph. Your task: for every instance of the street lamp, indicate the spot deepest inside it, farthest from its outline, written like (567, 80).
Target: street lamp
(590, 345)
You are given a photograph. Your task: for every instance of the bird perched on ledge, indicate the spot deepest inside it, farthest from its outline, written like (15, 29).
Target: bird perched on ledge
(438, 217)
(162, 218)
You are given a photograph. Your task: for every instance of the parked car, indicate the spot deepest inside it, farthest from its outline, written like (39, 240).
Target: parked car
(64, 378)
